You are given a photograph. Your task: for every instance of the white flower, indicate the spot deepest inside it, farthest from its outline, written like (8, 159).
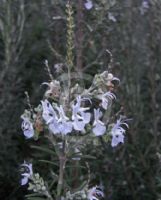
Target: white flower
(56, 124)
(117, 137)
(54, 128)
(64, 125)
(79, 116)
(95, 193)
(27, 174)
(145, 4)
(144, 7)
(50, 116)
(27, 128)
(88, 5)
(106, 99)
(99, 127)
(118, 133)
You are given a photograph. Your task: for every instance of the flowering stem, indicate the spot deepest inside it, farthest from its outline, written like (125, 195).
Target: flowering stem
(28, 101)
(48, 70)
(70, 44)
(62, 161)
(79, 35)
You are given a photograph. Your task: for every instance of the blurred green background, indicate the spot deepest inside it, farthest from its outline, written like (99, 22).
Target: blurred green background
(34, 30)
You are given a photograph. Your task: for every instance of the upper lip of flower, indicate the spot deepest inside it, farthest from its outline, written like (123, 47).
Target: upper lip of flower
(94, 192)
(62, 116)
(106, 98)
(118, 125)
(49, 113)
(29, 167)
(79, 115)
(78, 111)
(27, 127)
(26, 124)
(118, 131)
(27, 174)
(97, 116)
(99, 127)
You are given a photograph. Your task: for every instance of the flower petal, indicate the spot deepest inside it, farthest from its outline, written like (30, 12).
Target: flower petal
(24, 180)
(54, 128)
(78, 125)
(116, 139)
(65, 127)
(86, 117)
(88, 5)
(104, 104)
(99, 129)
(49, 113)
(27, 128)
(28, 133)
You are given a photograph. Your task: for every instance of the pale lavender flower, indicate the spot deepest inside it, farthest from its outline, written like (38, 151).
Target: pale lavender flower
(79, 116)
(99, 126)
(106, 99)
(117, 133)
(54, 127)
(49, 113)
(95, 193)
(144, 7)
(64, 125)
(27, 128)
(88, 4)
(26, 175)
(50, 116)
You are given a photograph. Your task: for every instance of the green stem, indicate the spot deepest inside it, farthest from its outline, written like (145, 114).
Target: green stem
(62, 162)
(48, 195)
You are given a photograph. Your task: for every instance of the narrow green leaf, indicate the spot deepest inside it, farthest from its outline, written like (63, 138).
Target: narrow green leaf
(49, 162)
(32, 195)
(35, 198)
(88, 156)
(43, 149)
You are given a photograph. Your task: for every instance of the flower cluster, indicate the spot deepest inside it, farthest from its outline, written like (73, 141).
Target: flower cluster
(67, 112)
(36, 183)
(64, 120)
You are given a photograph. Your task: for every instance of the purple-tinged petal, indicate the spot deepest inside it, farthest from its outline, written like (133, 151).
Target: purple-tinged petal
(99, 129)
(88, 5)
(24, 180)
